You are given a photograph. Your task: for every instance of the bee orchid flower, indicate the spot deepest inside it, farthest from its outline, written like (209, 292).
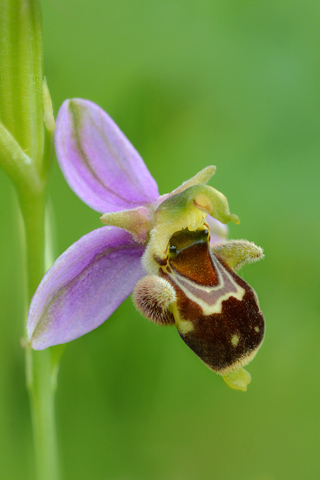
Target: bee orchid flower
(169, 250)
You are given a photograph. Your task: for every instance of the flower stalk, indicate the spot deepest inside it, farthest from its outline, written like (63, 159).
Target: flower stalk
(41, 367)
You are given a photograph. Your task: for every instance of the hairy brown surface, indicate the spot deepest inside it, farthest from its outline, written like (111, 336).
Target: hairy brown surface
(221, 339)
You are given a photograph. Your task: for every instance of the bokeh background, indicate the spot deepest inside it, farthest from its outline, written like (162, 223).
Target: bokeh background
(191, 83)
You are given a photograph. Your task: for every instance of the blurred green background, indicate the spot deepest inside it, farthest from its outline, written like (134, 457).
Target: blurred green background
(230, 83)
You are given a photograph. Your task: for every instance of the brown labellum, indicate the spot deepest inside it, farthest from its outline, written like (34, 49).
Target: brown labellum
(216, 312)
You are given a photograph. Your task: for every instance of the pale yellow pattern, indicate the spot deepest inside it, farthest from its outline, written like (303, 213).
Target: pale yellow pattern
(184, 326)
(235, 340)
(217, 307)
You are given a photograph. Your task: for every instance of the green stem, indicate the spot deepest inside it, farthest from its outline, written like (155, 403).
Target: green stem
(41, 365)
(41, 387)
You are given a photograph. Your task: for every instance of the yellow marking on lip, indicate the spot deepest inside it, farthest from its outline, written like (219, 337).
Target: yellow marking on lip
(235, 340)
(238, 380)
(217, 306)
(184, 326)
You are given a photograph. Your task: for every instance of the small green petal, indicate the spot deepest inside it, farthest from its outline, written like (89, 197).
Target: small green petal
(237, 253)
(134, 221)
(201, 178)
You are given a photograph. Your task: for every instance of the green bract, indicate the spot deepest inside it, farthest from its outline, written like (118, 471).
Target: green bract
(26, 119)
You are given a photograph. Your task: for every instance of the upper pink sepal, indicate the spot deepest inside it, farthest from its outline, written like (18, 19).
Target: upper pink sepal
(98, 161)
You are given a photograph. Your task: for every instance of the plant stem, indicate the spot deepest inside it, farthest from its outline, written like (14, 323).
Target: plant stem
(40, 365)
(41, 391)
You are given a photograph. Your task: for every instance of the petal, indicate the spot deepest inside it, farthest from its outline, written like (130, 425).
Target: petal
(84, 286)
(237, 253)
(98, 161)
(201, 178)
(135, 221)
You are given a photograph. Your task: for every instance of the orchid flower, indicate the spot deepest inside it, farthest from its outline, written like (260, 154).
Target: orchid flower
(169, 250)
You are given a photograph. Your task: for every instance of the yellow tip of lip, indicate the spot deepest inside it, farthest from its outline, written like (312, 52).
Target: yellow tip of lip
(238, 380)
